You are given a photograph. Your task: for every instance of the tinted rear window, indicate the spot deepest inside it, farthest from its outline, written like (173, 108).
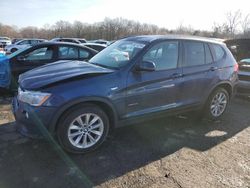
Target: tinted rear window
(218, 52)
(194, 53)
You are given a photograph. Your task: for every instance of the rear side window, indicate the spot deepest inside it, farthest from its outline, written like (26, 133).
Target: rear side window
(66, 52)
(83, 54)
(218, 52)
(194, 53)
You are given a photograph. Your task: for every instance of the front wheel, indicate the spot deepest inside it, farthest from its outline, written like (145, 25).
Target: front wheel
(216, 104)
(83, 129)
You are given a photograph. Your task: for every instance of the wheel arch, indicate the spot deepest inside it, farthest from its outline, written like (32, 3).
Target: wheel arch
(225, 85)
(103, 103)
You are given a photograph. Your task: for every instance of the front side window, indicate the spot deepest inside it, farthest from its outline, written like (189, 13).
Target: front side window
(45, 53)
(164, 55)
(194, 53)
(117, 54)
(66, 52)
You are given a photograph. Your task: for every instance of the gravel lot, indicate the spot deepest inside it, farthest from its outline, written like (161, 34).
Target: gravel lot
(169, 152)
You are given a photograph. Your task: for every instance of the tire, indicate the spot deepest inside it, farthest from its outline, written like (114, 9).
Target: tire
(216, 104)
(90, 129)
(13, 50)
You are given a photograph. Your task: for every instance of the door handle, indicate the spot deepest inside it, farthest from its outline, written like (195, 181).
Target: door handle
(213, 68)
(177, 75)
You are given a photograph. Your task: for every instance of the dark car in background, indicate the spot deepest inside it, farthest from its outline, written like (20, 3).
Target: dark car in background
(241, 51)
(42, 54)
(71, 40)
(99, 41)
(95, 46)
(133, 79)
(243, 87)
(240, 48)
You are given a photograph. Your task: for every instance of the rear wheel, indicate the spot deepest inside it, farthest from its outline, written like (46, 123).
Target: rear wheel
(216, 104)
(83, 129)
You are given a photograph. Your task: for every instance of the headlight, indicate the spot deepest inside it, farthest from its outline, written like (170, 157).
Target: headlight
(33, 98)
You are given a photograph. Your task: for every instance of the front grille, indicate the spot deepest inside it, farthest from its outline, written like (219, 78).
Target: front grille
(244, 77)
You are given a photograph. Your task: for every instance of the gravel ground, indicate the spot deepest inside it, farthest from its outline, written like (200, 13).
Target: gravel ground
(169, 152)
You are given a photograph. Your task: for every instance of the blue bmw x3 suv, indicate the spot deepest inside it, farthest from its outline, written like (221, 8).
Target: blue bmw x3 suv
(133, 79)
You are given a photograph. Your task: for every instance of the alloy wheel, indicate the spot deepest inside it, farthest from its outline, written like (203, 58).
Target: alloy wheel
(85, 130)
(218, 104)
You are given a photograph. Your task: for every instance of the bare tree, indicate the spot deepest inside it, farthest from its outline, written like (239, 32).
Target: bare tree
(112, 29)
(78, 29)
(233, 20)
(245, 24)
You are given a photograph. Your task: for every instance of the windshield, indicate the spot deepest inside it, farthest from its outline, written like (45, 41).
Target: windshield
(118, 54)
(16, 52)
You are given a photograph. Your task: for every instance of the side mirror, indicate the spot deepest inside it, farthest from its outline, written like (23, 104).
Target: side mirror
(146, 66)
(21, 58)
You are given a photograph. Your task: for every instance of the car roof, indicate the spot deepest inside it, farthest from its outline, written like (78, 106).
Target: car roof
(30, 39)
(151, 38)
(33, 39)
(68, 38)
(63, 44)
(60, 43)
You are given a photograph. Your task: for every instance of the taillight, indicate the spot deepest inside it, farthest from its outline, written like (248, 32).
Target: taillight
(236, 67)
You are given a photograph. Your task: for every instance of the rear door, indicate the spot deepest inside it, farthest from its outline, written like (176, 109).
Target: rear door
(158, 90)
(198, 72)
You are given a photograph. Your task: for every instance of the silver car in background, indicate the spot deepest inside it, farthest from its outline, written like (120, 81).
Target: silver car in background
(4, 41)
(25, 43)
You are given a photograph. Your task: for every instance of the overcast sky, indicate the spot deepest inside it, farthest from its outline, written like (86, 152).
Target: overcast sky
(164, 13)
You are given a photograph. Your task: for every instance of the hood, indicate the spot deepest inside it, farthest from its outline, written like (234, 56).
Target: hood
(57, 72)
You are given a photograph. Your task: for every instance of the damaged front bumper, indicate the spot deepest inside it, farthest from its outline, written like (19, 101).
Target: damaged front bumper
(32, 121)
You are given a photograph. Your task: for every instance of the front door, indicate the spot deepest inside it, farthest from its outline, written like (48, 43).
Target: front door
(32, 59)
(157, 90)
